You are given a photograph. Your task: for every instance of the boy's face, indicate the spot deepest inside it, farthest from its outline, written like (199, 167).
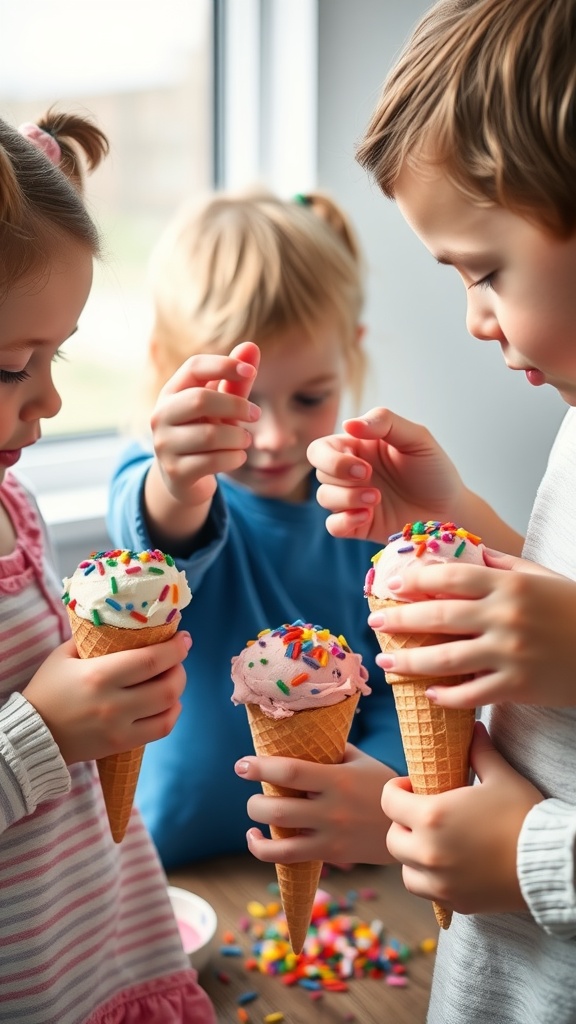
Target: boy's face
(298, 388)
(520, 281)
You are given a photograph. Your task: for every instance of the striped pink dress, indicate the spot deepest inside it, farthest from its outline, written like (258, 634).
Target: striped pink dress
(87, 934)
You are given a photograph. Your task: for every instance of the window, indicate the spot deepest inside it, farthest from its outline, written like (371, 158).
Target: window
(144, 70)
(190, 93)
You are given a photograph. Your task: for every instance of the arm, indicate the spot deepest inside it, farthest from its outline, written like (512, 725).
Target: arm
(460, 848)
(197, 432)
(32, 768)
(546, 866)
(384, 471)
(512, 625)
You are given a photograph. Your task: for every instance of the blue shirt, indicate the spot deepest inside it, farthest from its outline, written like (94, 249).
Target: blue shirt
(263, 562)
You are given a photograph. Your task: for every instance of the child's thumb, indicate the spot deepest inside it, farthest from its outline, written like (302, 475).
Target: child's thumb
(484, 758)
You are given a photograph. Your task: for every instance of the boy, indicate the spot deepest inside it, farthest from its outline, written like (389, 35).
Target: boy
(475, 138)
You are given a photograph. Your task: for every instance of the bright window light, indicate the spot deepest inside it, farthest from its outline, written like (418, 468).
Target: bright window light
(144, 70)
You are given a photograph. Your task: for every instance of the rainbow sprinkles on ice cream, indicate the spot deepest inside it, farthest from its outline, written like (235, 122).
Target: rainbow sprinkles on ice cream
(296, 667)
(428, 543)
(127, 589)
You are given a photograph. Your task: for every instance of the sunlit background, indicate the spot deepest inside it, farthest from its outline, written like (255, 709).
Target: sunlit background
(144, 71)
(194, 93)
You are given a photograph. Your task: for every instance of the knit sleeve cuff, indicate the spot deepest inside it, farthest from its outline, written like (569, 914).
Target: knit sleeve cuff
(31, 755)
(546, 866)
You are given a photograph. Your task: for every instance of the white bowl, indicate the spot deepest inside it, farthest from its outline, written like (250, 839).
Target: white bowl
(197, 921)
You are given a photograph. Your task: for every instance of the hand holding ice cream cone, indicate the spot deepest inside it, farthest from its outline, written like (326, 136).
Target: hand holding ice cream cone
(436, 739)
(116, 601)
(301, 686)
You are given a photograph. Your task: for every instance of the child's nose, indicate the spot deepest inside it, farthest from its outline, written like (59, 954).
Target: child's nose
(43, 403)
(481, 321)
(272, 431)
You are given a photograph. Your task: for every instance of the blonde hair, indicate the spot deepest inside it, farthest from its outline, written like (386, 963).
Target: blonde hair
(487, 89)
(40, 203)
(243, 266)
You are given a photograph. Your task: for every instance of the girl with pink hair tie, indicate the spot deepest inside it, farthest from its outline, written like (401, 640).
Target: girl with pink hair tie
(87, 933)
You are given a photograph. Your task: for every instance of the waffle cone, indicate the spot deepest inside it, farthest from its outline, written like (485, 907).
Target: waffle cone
(118, 772)
(436, 740)
(317, 735)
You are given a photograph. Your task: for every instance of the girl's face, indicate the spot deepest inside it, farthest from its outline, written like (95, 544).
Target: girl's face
(298, 388)
(36, 318)
(520, 281)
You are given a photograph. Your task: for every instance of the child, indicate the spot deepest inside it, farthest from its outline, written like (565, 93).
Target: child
(229, 490)
(475, 138)
(87, 930)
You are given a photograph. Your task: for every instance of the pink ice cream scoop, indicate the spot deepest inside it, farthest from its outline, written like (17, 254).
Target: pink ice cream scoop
(420, 543)
(296, 667)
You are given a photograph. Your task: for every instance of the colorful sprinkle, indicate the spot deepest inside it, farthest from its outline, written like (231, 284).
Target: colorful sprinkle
(299, 679)
(246, 997)
(138, 616)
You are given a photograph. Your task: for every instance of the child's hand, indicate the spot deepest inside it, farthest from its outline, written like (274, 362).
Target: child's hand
(513, 629)
(382, 472)
(459, 848)
(197, 422)
(99, 706)
(340, 822)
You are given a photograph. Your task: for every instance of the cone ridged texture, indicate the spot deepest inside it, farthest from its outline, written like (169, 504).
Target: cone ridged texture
(317, 735)
(118, 772)
(436, 740)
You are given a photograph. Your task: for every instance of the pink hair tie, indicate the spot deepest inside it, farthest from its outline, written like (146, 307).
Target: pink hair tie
(42, 140)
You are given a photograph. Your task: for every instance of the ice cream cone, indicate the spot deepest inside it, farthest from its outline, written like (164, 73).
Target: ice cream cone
(118, 772)
(318, 735)
(436, 740)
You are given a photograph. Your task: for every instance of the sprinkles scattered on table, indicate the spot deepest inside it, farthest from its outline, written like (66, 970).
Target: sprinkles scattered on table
(340, 948)
(425, 538)
(127, 588)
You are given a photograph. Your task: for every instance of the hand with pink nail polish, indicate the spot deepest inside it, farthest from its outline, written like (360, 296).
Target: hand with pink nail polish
(384, 470)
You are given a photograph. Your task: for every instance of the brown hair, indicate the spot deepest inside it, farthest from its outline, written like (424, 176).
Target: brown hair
(41, 204)
(487, 89)
(239, 266)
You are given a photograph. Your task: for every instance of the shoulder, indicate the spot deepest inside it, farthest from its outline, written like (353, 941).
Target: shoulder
(567, 429)
(136, 455)
(21, 505)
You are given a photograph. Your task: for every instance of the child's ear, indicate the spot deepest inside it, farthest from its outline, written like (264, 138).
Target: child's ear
(154, 352)
(157, 354)
(360, 334)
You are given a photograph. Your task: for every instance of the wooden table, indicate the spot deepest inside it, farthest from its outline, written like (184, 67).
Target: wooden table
(230, 883)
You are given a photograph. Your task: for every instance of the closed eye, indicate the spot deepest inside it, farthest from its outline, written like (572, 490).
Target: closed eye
(13, 376)
(309, 401)
(484, 282)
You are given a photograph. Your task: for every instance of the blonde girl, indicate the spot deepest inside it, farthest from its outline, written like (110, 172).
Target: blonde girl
(227, 484)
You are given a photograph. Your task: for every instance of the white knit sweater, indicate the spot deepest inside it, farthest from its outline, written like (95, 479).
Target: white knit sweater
(521, 968)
